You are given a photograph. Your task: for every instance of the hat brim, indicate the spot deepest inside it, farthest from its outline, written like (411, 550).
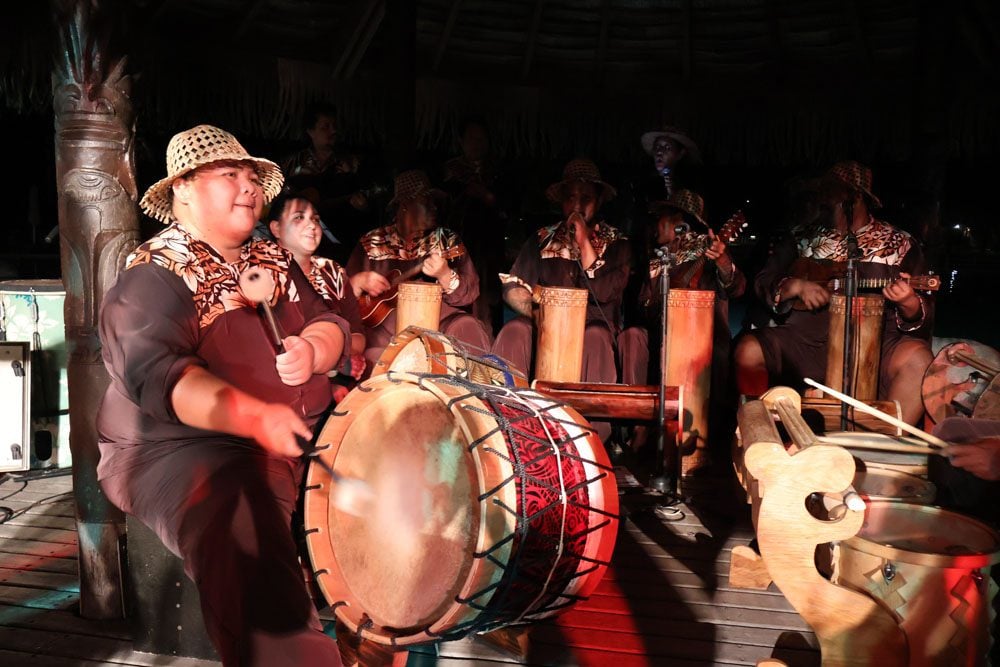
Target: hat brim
(873, 200)
(649, 138)
(157, 202)
(440, 195)
(659, 207)
(554, 192)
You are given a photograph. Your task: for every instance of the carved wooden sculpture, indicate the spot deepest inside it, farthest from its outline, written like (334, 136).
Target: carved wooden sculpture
(98, 227)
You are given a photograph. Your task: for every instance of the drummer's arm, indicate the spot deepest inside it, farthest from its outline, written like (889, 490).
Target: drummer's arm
(519, 300)
(517, 284)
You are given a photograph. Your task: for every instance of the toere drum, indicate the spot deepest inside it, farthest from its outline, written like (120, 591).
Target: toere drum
(418, 304)
(421, 351)
(876, 482)
(867, 313)
(492, 507)
(930, 568)
(690, 318)
(865, 449)
(562, 319)
(31, 311)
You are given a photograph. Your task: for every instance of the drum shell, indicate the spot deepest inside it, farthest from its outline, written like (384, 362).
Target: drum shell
(929, 567)
(877, 482)
(868, 311)
(418, 350)
(418, 304)
(490, 494)
(50, 357)
(562, 320)
(688, 341)
(910, 463)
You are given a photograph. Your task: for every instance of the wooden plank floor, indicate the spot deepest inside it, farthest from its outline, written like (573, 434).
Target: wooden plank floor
(666, 600)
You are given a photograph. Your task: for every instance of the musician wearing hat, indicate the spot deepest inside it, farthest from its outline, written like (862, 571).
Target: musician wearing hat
(414, 247)
(200, 428)
(582, 251)
(699, 260)
(797, 281)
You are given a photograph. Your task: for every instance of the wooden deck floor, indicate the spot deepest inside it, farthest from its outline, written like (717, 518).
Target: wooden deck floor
(665, 601)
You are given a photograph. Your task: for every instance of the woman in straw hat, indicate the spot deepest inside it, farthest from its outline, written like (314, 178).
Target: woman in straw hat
(797, 348)
(415, 243)
(581, 251)
(200, 426)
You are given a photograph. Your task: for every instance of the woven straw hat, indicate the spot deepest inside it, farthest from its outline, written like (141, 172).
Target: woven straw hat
(857, 177)
(580, 169)
(675, 134)
(684, 201)
(413, 183)
(195, 148)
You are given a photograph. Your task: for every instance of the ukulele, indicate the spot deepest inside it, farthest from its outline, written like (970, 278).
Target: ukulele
(832, 276)
(730, 231)
(374, 309)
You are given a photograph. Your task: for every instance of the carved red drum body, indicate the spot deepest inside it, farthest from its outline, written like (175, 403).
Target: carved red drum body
(492, 506)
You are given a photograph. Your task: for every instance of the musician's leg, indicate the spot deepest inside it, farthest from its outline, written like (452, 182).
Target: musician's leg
(633, 355)
(751, 367)
(467, 329)
(902, 372)
(515, 342)
(599, 365)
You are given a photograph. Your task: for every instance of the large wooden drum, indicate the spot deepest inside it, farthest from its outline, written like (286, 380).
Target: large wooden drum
(418, 304)
(867, 312)
(690, 318)
(562, 320)
(420, 351)
(492, 506)
(929, 567)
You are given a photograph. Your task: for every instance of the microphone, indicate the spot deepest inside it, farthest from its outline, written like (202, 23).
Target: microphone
(852, 245)
(668, 180)
(51, 236)
(682, 228)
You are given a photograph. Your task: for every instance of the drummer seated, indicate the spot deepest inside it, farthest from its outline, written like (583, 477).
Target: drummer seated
(414, 245)
(582, 251)
(797, 348)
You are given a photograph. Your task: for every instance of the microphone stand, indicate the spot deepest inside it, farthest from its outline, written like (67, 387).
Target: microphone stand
(663, 481)
(850, 291)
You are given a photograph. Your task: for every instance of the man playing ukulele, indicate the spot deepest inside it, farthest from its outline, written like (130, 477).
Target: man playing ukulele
(790, 284)
(411, 246)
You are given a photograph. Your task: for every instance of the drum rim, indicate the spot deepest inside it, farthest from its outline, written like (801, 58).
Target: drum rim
(897, 554)
(479, 577)
(919, 482)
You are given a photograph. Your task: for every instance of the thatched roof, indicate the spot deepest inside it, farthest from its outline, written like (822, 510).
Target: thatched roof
(755, 80)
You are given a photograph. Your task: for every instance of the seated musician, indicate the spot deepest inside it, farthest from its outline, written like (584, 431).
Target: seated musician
(412, 245)
(582, 251)
(797, 348)
(700, 261)
(295, 224)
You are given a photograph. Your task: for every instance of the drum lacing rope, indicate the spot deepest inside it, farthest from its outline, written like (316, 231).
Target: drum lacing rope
(461, 350)
(495, 395)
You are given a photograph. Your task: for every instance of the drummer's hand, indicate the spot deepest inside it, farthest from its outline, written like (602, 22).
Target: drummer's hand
(717, 253)
(435, 266)
(358, 365)
(577, 225)
(901, 293)
(276, 428)
(339, 392)
(981, 457)
(369, 282)
(812, 295)
(295, 364)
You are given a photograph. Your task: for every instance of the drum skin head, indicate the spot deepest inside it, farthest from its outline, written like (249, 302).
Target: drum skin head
(406, 561)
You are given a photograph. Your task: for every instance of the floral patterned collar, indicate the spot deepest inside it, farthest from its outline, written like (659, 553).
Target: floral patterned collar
(685, 248)
(879, 243)
(214, 283)
(555, 241)
(327, 277)
(387, 243)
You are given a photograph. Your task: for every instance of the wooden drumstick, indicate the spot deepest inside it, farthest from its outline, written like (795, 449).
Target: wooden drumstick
(932, 441)
(258, 287)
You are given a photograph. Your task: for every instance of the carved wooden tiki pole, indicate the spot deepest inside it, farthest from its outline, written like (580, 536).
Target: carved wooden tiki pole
(98, 227)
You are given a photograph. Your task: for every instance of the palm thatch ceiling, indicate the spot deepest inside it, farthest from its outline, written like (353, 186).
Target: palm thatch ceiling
(754, 80)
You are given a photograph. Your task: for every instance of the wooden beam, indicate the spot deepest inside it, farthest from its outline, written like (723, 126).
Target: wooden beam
(366, 39)
(602, 39)
(449, 25)
(687, 11)
(529, 47)
(860, 34)
(358, 17)
(249, 16)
